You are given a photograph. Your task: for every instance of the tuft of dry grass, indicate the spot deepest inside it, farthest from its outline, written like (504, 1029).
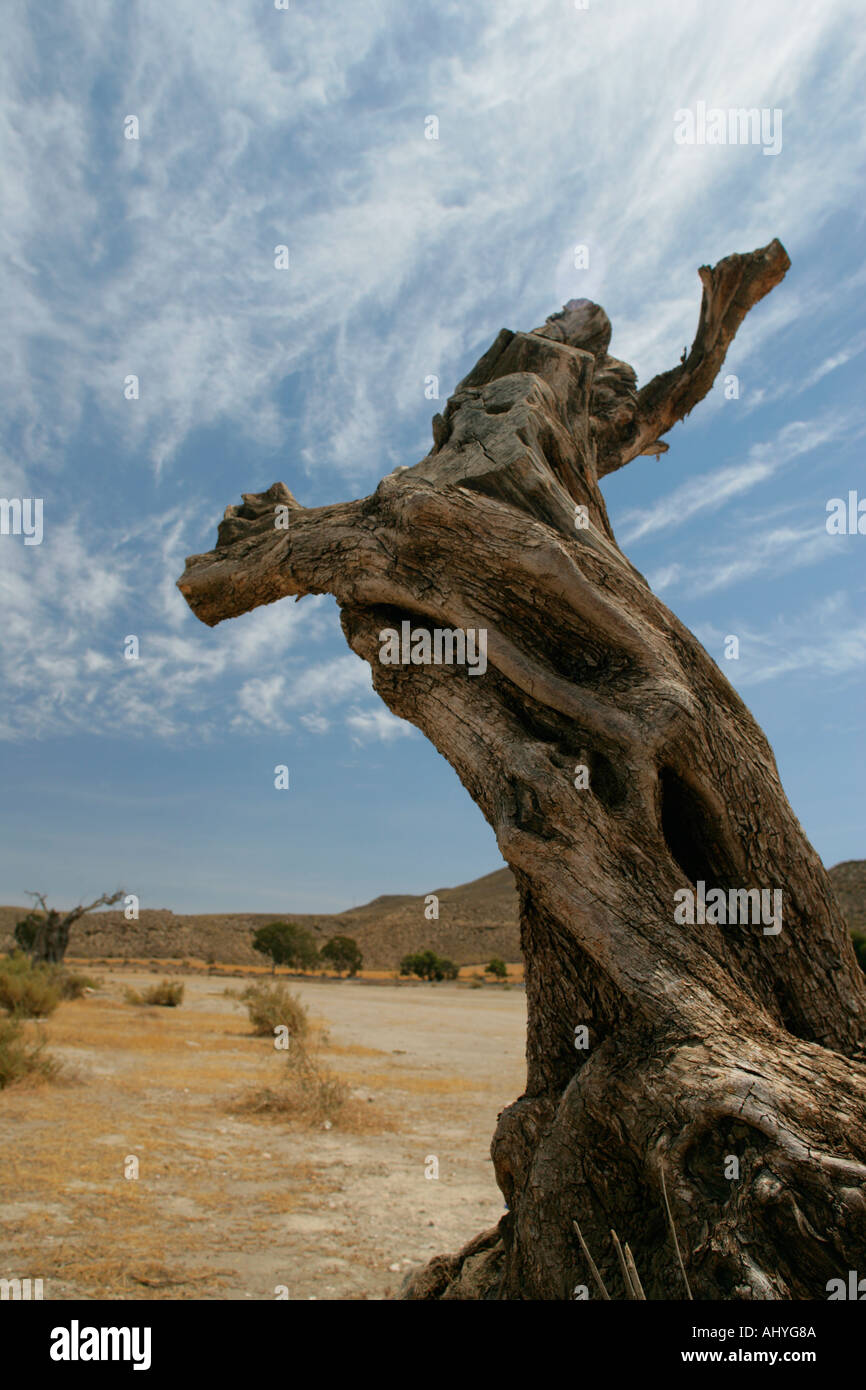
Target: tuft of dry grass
(168, 994)
(72, 984)
(21, 1060)
(274, 1006)
(307, 1091)
(26, 990)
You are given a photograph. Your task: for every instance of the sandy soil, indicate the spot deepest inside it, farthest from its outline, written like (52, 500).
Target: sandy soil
(230, 1206)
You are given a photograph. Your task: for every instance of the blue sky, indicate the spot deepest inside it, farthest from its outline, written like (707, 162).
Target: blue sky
(155, 257)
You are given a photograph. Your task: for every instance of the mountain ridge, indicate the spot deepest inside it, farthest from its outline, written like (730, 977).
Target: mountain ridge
(477, 920)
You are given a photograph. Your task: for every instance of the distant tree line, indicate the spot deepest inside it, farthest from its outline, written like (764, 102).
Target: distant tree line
(289, 944)
(428, 966)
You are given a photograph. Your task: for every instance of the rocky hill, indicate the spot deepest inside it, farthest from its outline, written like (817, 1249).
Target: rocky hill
(849, 882)
(477, 920)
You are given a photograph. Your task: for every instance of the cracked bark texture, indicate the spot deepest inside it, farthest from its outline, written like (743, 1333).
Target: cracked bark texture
(706, 1042)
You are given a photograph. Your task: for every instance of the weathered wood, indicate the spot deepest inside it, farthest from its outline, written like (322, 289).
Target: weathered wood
(706, 1042)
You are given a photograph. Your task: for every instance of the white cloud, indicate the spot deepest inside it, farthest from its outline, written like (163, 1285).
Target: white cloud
(261, 699)
(827, 639)
(316, 723)
(437, 234)
(407, 255)
(760, 550)
(837, 359)
(713, 490)
(377, 724)
(331, 681)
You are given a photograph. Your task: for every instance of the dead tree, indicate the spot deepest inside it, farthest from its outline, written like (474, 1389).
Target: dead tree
(51, 937)
(723, 1070)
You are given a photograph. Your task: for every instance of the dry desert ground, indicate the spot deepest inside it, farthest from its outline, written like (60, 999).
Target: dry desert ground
(230, 1205)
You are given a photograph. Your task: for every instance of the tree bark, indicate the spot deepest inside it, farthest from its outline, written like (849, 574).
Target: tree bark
(723, 1071)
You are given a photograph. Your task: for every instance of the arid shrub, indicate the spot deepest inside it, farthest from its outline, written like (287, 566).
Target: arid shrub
(26, 990)
(168, 993)
(20, 1059)
(70, 983)
(17, 963)
(274, 1006)
(308, 1091)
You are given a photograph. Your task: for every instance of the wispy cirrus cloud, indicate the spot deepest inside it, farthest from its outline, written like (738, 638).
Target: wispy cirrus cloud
(756, 549)
(826, 639)
(716, 489)
(307, 128)
(254, 131)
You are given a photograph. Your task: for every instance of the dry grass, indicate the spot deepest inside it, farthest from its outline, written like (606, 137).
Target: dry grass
(168, 994)
(287, 1104)
(273, 1006)
(196, 965)
(22, 1060)
(307, 1091)
(417, 1085)
(116, 1272)
(25, 990)
(310, 1093)
(218, 1186)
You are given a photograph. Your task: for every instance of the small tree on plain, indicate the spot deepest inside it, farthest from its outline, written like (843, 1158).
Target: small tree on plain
(497, 968)
(343, 953)
(428, 966)
(286, 943)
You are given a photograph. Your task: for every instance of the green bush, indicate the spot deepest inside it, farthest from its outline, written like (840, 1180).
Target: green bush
(26, 990)
(428, 966)
(20, 1059)
(859, 942)
(497, 968)
(273, 1006)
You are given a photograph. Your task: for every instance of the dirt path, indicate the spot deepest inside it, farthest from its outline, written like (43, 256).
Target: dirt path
(231, 1206)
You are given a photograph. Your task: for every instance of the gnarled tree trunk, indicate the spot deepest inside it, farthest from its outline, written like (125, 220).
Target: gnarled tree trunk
(706, 1043)
(51, 938)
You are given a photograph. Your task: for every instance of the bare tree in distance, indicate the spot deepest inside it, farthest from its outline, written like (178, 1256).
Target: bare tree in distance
(51, 936)
(704, 1079)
